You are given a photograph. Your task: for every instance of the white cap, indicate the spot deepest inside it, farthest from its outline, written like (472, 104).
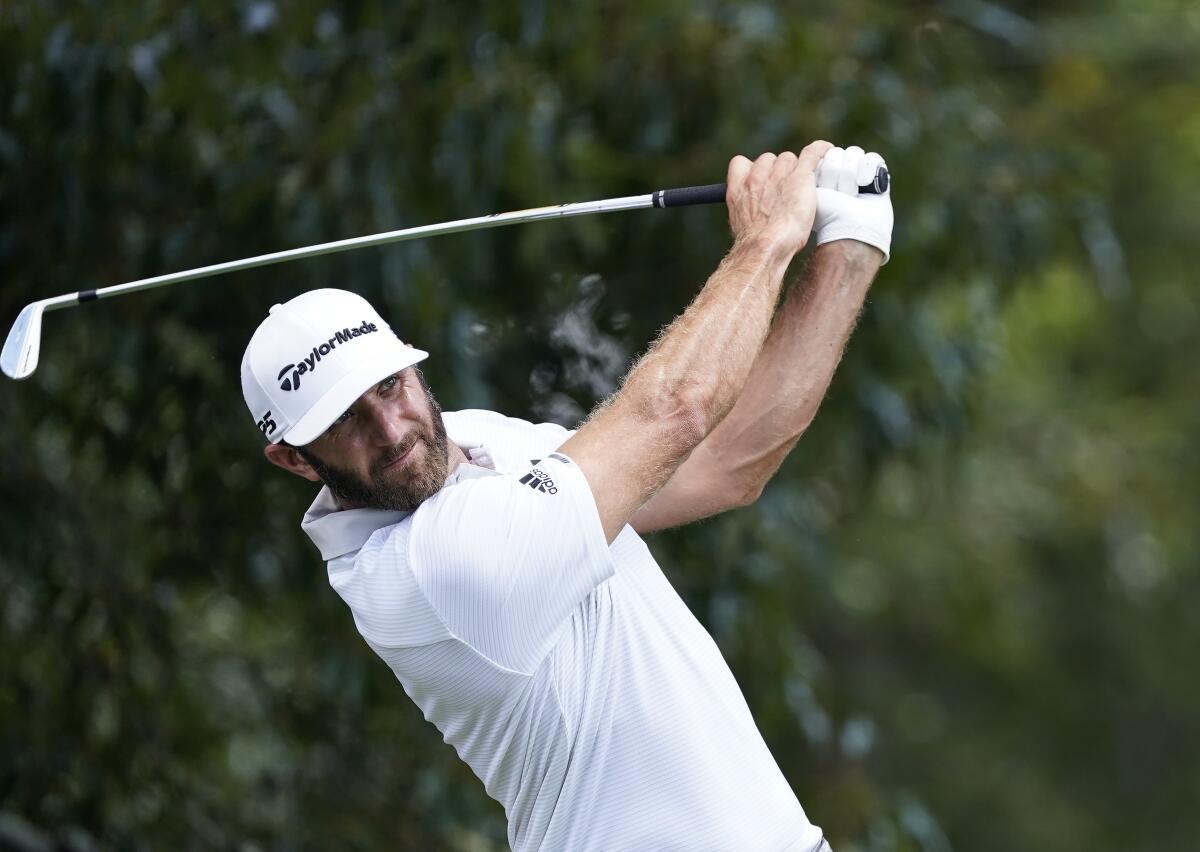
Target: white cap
(312, 357)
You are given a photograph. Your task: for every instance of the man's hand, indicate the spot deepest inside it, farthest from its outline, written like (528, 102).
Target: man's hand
(844, 214)
(773, 199)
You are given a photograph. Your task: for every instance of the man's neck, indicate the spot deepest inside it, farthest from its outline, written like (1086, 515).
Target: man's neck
(454, 457)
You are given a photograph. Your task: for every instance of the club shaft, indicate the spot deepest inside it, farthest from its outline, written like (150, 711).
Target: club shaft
(534, 214)
(681, 197)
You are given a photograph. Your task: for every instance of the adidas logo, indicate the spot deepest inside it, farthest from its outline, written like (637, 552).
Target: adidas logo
(539, 480)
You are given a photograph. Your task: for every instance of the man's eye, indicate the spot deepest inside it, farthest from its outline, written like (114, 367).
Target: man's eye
(390, 381)
(345, 415)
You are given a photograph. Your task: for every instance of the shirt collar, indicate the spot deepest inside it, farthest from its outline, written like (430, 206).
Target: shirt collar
(337, 531)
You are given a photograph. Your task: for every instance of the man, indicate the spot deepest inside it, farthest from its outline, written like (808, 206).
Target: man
(496, 566)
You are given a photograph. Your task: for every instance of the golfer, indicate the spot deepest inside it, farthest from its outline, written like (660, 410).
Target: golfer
(498, 568)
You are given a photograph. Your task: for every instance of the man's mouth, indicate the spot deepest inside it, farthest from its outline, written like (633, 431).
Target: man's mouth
(400, 459)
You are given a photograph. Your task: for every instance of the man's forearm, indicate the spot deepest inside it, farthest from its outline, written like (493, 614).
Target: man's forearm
(693, 374)
(688, 380)
(795, 365)
(711, 347)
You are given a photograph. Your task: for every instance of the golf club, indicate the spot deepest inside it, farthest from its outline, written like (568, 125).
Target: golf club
(20, 356)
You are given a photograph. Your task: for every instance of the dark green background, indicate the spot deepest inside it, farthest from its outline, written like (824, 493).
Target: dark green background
(962, 613)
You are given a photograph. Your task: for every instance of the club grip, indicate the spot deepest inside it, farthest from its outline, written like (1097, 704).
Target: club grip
(714, 193)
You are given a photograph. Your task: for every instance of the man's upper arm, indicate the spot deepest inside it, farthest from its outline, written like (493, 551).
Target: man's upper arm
(505, 559)
(627, 459)
(700, 488)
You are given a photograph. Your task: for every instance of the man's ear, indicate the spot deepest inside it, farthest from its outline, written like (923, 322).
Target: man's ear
(288, 457)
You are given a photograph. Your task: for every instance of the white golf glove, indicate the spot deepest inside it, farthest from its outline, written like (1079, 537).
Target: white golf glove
(844, 214)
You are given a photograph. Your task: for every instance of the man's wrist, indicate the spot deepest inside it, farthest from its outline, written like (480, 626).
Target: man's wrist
(770, 246)
(860, 254)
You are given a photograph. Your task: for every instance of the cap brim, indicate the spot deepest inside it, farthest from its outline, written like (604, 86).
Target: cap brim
(342, 395)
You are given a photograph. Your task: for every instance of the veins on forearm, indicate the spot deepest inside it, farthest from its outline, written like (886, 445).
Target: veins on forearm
(797, 362)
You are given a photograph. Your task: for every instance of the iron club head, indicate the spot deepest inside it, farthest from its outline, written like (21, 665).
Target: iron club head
(20, 356)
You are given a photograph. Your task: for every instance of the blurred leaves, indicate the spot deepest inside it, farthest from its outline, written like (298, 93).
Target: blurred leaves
(960, 614)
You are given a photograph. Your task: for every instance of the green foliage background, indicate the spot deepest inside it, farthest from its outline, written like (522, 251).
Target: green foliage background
(961, 613)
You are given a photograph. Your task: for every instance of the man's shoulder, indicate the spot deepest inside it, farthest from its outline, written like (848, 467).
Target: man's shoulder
(460, 510)
(480, 419)
(511, 443)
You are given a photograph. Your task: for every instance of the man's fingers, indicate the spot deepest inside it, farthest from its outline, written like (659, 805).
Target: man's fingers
(739, 169)
(829, 168)
(845, 170)
(868, 168)
(785, 164)
(847, 179)
(760, 172)
(812, 154)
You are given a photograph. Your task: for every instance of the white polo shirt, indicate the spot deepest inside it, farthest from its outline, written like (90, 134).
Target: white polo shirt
(566, 672)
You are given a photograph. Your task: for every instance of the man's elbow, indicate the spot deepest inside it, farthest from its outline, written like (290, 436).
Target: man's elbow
(680, 417)
(746, 494)
(746, 479)
(689, 420)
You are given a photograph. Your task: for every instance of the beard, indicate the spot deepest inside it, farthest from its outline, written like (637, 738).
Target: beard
(424, 478)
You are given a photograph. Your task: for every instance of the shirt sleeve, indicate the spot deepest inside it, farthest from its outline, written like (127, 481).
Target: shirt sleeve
(505, 560)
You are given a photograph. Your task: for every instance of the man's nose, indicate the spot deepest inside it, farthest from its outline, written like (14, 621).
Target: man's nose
(386, 425)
